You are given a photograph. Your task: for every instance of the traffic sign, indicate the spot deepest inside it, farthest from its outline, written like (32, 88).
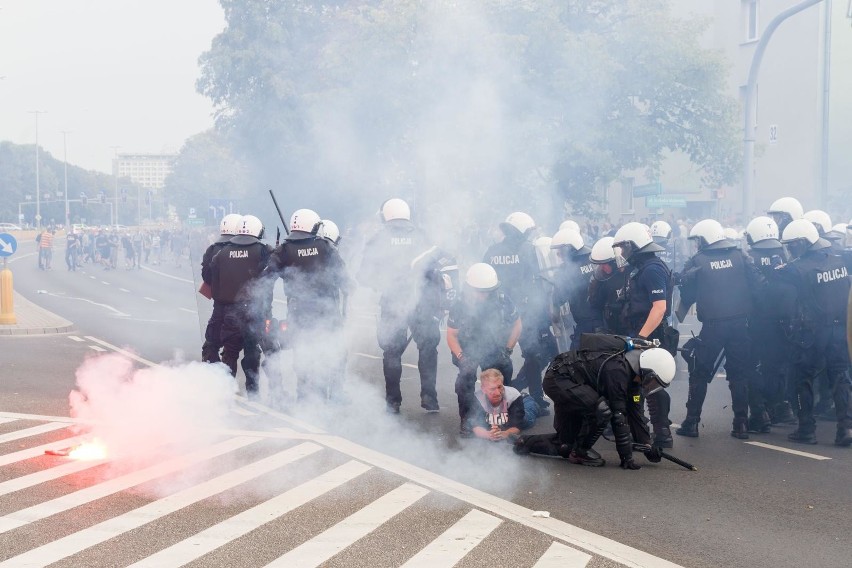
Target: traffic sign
(664, 201)
(648, 190)
(8, 245)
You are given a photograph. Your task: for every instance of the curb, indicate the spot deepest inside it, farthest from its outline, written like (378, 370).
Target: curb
(46, 322)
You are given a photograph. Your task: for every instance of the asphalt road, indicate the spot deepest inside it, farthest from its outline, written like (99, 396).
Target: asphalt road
(747, 505)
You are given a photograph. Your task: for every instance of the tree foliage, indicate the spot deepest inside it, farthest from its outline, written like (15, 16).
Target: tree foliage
(460, 106)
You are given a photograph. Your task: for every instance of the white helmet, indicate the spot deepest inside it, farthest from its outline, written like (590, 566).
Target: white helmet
(251, 226)
(569, 224)
(394, 209)
(787, 205)
(603, 251)
(762, 233)
(820, 219)
(482, 276)
(655, 366)
(637, 234)
(521, 221)
(800, 229)
(661, 231)
(710, 234)
(230, 224)
(305, 220)
(569, 238)
(329, 231)
(732, 234)
(838, 232)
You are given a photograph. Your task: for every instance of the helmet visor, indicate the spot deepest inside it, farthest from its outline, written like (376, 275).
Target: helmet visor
(651, 382)
(605, 271)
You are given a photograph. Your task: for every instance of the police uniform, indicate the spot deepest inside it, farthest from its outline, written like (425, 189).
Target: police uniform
(821, 290)
(212, 334)
(234, 271)
(515, 261)
(649, 281)
(720, 281)
(408, 302)
(607, 295)
(571, 284)
(483, 332)
(314, 275)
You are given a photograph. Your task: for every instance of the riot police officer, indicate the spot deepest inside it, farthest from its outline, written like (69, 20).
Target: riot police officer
(785, 210)
(212, 342)
(661, 232)
(514, 259)
(768, 399)
(234, 273)
(720, 280)
(571, 283)
(408, 301)
(313, 275)
(608, 286)
(819, 285)
(647, 307)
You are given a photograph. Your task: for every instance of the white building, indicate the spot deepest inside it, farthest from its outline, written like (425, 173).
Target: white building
(148, 170)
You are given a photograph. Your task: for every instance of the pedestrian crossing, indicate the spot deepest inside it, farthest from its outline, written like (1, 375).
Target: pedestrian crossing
(248, 499)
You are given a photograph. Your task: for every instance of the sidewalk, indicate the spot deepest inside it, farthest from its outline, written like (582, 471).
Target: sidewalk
(34, 320)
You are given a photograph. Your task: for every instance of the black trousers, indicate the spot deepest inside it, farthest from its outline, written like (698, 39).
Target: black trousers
(239, 333)
(212, 335)
(771, 361)
(538, 348)
(728, 339)
(827, 348)
(392, 332)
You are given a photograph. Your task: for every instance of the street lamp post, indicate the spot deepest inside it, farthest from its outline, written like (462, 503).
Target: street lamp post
(38, 186)
(65, 173)
(115, 173)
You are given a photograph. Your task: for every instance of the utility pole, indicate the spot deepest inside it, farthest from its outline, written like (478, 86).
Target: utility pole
(826, 83)
(65, 173)
(115, 173)
(38, 186)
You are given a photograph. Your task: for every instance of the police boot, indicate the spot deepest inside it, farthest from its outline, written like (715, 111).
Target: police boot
(783, 414)
(689, 427)
(802, 437)
(739, 429)
(663, 437)
(587, 457)
(465, 431)
(759, 423)
(844, 437)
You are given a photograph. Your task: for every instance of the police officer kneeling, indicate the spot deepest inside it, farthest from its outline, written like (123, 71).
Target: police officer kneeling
(600, 384)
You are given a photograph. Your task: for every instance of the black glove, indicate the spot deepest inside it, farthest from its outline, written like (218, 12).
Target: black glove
(654, 455)
(507, 352)
(628, 463)
(466, 366)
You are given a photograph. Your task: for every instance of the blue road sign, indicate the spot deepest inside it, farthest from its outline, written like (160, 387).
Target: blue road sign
(8, 245)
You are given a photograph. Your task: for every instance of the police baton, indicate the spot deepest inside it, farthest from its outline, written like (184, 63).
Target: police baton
(646, 448)
(280, 216)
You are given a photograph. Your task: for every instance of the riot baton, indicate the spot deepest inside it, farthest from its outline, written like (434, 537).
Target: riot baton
(645, 448)
(280, 216)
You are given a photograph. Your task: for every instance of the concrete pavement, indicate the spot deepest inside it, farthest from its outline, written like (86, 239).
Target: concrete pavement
(34, 320)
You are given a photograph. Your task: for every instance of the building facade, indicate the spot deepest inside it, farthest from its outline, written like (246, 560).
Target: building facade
(147, 170)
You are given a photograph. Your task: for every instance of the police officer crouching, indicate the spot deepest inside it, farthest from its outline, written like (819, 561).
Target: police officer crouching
(234, 271)
(819, 285)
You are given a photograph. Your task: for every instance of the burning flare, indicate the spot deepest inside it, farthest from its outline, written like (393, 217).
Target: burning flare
(92, 450)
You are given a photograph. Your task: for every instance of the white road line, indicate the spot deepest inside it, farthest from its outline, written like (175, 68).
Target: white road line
(92, 277)
(5, 420)
(122, 351)
(105, 282)
(234, 527)
(290, 420)
(75, 338)
(33, 479)
(107, 306)
(188, 310)
(124, 290)
(449, 548)
(788, 451)
(27, 432)
(150, 299)
(354, 527)
(368, 356)
(96, 348)
(242, 411)
(409, 365)
(561, 556)
(89, 494)
(178, 278)
(86, 538)
(36, 451)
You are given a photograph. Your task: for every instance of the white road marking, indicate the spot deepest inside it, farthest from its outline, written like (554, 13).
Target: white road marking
(21, 416)
(448, 549)
(354, 527)
(5, 420)
(122, 351)
(124, 290)
(89, 494)
(178, 278)
(27, 432)
(234, 527)
(561, 556)
(92, 277)
(105, 282)
(409, 365)
(37, 451)
(86, 538)
(75, 338)
(188, 310)
(368, 356)
(32, 479)
(107, 306)
(97, 348)
(788, 451)
(150, 299)
(242, 411)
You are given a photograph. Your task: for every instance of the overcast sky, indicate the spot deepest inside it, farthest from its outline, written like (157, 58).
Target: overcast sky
(112, 72)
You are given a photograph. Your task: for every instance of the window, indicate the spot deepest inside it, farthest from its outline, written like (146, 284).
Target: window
(751, 19)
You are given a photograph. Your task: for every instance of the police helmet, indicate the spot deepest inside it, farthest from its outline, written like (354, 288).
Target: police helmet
(800, 230)
(820, 219)
(710, 235)
(329, 231)
(395, 209)
(838, 232)
(732, 234)
(569, 224)
(661, 231)
(762, 233)
(656, 367)
(305, 220)
(230, 224)
(482, 277)
(569, 239)
(786, 208)
(638, 235)
(520, 221)
(251, 226)
(603, 251)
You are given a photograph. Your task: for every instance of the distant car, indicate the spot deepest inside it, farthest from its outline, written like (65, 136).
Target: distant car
(9, 227)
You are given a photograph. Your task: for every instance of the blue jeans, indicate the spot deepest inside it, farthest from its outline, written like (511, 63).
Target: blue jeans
(531, 411)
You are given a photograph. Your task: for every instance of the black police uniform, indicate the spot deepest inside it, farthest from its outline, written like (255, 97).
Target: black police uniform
(515, 261)
(576, 381)
(212, 334)
(234, 272)
(483, 331)
(314, 275)
(720, 281)
(650, 280)
(820, 282)
(571, 284)
(607, 296)
(407, 302)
